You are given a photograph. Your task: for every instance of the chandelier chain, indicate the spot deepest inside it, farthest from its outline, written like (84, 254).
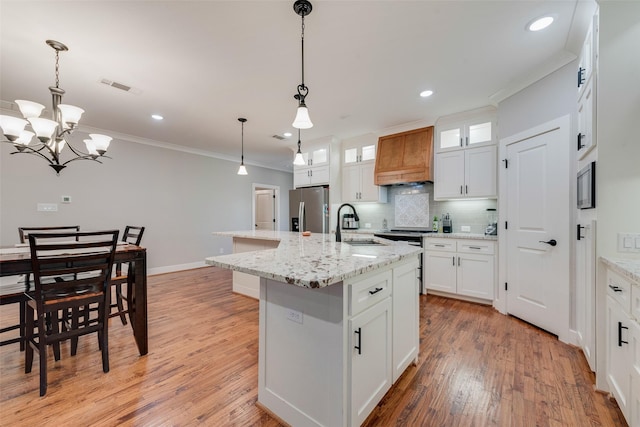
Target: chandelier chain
(57, 69)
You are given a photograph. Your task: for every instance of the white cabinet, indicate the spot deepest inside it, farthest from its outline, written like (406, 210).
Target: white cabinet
(618, 354)
(317, 170)
(358, 167)
(460, 267)
(466, 173)
(623, 344)
(586, 60)
(370, 361)
(358, 186)
(585, 140)
(406, 314)
(466, 130)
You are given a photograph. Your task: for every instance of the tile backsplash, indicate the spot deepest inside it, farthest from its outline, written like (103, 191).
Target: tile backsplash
(472, 213)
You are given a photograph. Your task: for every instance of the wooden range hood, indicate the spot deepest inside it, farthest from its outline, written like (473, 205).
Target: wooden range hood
(405, 157)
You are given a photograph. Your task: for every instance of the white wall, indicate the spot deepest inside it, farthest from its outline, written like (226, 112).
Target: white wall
(618, 114)
(180, 197)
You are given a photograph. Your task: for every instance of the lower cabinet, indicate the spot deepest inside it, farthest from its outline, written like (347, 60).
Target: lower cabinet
(460, 267)
(623, 345)
(370, 363)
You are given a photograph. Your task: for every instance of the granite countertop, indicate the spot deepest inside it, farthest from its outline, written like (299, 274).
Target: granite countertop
(314, 261)
(629, 268)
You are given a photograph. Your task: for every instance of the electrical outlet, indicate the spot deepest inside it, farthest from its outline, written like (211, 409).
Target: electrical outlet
(465, 228)
(367, 225)
(294, 316)
(628, 242)
(47, 207)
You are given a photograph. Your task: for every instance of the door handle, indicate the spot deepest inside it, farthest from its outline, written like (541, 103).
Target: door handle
(579, 227)
(551, 242)
(620, 340)
(359, 346)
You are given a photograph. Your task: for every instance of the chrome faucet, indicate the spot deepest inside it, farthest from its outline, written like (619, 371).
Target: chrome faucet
(355, 217)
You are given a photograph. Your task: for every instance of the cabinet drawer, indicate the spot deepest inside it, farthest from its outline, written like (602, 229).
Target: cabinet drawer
(368, 291)
(620, 290)
(476, 246)
(441, 245)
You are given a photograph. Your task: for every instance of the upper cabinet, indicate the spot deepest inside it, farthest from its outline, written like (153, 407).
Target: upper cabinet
(322, 164)
(405, 157)
(358, 161)
(466, 157)
(466, 130)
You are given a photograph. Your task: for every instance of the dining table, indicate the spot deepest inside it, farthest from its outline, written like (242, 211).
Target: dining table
(16, 261)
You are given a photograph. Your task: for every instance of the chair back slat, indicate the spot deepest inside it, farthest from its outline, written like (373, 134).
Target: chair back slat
(133, 235)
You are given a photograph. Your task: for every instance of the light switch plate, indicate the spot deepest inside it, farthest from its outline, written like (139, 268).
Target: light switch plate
(47, 207)
(465, 228)
(628, 242)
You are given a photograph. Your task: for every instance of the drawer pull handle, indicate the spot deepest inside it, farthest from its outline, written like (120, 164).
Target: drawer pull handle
(475, 247)
(439, 246)
(359, 346)
(620, 328)
(375, 291)
(615, 288)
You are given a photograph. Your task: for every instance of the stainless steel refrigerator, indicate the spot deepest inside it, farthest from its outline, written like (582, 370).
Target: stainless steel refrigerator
(309, 209)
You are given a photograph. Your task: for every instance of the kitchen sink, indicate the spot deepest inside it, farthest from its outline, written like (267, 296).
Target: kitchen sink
(367, 242)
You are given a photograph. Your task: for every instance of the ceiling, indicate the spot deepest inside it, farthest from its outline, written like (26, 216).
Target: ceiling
(203, 64)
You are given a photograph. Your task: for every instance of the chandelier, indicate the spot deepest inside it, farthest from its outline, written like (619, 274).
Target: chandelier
(302, 120)
(51, 134)
(242, 170)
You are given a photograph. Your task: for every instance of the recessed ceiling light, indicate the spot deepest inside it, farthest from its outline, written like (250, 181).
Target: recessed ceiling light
(540, 23)
(157, 117)
(287, 134)
(426, 93)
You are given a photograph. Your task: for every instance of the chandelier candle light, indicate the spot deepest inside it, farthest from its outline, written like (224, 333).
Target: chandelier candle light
(51, 134)
(242, 170)
(302, 120)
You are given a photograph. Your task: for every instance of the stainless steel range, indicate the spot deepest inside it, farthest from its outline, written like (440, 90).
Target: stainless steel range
(411, 236)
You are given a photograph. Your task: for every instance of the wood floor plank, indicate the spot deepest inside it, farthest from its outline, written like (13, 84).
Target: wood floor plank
(476, 368)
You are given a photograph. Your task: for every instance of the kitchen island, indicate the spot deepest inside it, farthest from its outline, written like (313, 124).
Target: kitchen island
(338, 323)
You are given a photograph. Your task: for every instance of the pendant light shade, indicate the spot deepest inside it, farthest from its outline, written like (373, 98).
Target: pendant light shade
(299, 159)
(302, 120)
(242, 170)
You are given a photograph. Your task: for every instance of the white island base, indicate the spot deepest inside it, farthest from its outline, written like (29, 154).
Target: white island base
(328, 355)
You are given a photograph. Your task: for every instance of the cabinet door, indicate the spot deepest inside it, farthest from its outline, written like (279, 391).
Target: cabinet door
(405, 317)
(584, 140)
(319, 156)
(351, 183)
(449, 179)
(440, 271)
(480, 132)
(450, 137)
(369, 191)
(370, 359)
(480, 172)
(634, 404)
(618, 355)
(319, 175)
(585, 64)
(301, 177)
(475, 275)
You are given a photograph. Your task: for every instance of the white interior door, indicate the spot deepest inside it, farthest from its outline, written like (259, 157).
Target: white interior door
(265, 210)
(538, 229)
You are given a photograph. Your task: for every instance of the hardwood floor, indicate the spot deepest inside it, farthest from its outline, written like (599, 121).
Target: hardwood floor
(477, 367)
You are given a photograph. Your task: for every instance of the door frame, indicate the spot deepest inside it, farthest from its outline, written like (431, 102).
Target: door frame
(255, 187)
(564, 124)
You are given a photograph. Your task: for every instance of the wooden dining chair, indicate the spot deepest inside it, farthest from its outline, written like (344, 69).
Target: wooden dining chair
(124, 274)
(71, 271)
(13, 292)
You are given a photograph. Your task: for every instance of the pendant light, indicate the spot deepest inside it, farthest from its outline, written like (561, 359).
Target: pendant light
(242, 170)
(302, 120)
(299, 160)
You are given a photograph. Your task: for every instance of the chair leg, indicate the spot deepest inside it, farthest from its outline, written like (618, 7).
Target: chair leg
(42, 352)
(75, 315)
(55, 329)
(131, 302)
(120, 306)
(23, 332)
(103, 334)
(28, 353)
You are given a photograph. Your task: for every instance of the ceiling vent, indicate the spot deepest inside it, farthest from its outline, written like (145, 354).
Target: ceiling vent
(120, 86)
(278, 137)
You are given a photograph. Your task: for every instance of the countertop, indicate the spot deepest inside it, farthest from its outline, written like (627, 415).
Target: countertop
(629, 268)
(314, 261)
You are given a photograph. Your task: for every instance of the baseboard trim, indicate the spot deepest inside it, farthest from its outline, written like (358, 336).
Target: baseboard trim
(174, 268)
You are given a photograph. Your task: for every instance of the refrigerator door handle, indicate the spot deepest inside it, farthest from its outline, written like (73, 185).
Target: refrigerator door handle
(301, 216)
